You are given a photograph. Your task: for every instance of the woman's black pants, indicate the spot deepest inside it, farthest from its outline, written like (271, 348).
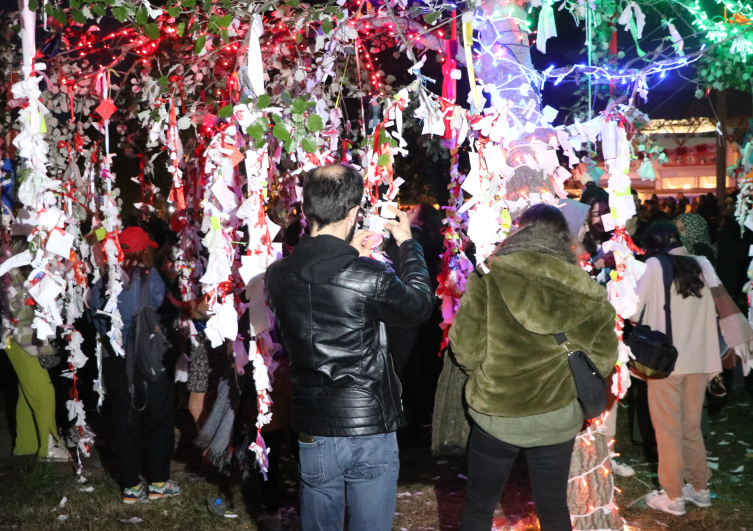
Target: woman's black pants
(489, 463)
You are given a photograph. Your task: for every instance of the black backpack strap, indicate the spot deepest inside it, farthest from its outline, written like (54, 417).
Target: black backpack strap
(668, 275)
(145, 299)
(560, 338)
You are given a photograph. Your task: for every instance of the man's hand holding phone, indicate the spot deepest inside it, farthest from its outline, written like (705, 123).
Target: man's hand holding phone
(399, 228)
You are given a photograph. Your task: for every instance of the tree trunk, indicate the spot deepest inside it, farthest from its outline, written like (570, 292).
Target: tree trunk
(591, 486)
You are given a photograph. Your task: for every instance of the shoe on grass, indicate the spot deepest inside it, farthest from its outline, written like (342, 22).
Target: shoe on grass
(167, 489)
(621, 469)
(134, 494)
(701, 498)
(55, 454)
(661, 501)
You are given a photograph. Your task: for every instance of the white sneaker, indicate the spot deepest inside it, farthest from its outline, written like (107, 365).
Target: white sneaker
(56, 453)
(621, 469)
(661, 501)
(700, 498)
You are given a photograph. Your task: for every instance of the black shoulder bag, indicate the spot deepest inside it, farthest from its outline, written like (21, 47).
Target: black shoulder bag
(589, 383)
(654, 355)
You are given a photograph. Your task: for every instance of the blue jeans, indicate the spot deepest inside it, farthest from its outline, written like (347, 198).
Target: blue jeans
(362, 469)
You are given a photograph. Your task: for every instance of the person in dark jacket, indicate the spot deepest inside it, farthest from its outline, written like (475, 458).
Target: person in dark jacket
(332, 305)
(520, 391)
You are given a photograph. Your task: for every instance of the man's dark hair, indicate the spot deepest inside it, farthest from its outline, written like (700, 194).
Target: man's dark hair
(329, 192)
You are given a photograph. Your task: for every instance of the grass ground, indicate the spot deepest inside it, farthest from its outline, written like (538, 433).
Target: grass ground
(430, 491)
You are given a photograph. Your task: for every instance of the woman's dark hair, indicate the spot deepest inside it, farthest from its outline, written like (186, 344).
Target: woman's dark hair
(660, 238)
(329, 192)
(547, 217)
(593, 195)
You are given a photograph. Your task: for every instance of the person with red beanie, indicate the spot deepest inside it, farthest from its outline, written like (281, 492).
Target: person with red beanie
(157, 413)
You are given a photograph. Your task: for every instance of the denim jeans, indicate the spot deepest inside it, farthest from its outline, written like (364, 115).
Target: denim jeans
(361, 469)
(489, 463)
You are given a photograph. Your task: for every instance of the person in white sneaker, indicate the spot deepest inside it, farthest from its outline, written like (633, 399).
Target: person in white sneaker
(660, 500)
(700, 498)
(676, 402)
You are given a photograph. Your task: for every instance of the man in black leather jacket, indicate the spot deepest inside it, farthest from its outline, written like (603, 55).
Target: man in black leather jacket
(332, 304)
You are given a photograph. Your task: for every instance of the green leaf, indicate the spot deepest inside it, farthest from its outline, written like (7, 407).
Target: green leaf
(330, 9)
(188, 3)
(181, 29)
(263, 101)
(173, 11)
(225, 112)
(34, 5)
(285, 97)
(208, 6)
(432, 17)
(73, 4)
(48, 9)
(280, 133)
(260, 143)
(99, 10)
(60, 16)
(142, 16)
(199, 45)
(152, 31)
(298, 106)
(315, 123)
(163, 81)
(309, 144)
(340, 15)
(327, 26)
(293, 3)
(225, 21)
(298, 38)
(224, 35)
(383, 159)
(256, 131)
(289, 146)
(120, 13)
(78, 16)
(392, 142)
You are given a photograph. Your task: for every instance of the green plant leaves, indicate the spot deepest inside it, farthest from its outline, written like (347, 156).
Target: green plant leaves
(263, 101)
(225, 112)
(315, 123)
(225, 21)
(298, 106)
(309, 144)
(280, 133)
(120, 13)
(199, 44)
(152, 31)
(142, 16)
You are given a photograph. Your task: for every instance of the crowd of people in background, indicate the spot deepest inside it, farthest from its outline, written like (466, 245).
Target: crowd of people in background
(209, 384)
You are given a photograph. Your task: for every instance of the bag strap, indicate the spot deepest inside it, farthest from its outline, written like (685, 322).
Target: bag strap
(668, 275)
(560, 338)
(145, 300)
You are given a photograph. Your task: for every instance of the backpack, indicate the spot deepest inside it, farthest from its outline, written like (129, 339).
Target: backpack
(147, 346)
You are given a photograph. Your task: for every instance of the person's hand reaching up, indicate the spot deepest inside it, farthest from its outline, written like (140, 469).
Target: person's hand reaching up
(399, 228)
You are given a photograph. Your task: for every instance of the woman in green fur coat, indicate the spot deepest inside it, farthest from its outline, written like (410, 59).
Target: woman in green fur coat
(520, 391)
